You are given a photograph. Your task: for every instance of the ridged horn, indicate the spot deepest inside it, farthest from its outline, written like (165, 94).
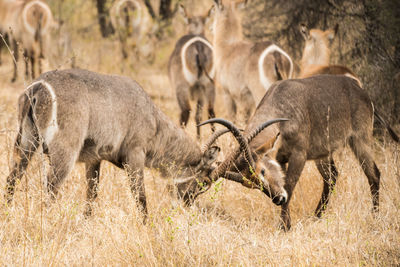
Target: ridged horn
(261, 127)
(213, 138)
(244, 146)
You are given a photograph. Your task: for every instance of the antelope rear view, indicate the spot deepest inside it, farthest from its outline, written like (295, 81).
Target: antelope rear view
(244, 70)
(191, 69)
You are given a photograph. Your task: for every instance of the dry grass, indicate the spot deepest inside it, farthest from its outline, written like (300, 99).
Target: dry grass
(228, 225)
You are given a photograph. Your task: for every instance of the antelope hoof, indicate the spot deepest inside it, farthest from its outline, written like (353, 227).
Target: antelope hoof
(88, 212)
(284, 226)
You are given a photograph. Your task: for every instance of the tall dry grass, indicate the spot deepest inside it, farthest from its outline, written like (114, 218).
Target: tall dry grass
(228, 225)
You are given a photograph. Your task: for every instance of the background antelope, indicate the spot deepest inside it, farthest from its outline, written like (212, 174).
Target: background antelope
(325, 112)
(316, 54)
(191, 69)
(244, 69)
(28, 23)
(78, 115)
(9, 11)
(132, 21)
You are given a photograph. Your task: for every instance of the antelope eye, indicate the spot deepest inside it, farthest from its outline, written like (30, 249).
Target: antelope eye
(263, 172)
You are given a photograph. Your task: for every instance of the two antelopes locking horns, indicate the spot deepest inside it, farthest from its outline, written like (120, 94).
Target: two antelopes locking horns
(78, 115)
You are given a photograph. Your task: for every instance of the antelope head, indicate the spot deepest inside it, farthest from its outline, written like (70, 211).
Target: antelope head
(227, 21)
(268, 171)
(318, 44)
(196, 180)
(195, 24)
(253, 168)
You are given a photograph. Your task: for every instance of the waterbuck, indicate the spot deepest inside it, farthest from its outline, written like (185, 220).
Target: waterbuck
(78, 115)
(316, 54)
(29, 23)
(131, 19)
(190, 69)
(325, 112)
(244, 70)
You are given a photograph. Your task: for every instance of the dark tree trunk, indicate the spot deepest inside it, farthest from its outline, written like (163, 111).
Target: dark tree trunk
(150, 8)
(165, 9)
(102, 14)
(396, 84)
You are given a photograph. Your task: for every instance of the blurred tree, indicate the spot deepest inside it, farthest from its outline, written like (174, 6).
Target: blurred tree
(368, 40)
(150, 8)
(165, 9)
(104, 18)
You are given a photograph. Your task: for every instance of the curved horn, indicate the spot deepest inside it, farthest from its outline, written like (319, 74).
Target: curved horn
(213, 138)
(259, 129)
(244, 146)
(218, 3)
(234, 176)
(221, 169)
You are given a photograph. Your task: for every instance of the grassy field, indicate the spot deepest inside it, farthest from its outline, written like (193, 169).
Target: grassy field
(228, 225)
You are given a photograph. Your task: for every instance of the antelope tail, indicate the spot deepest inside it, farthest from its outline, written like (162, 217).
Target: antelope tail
(38, 28)
(278, 74)
(38, 35)
(201, 59)
(392, 134)
(201, 62)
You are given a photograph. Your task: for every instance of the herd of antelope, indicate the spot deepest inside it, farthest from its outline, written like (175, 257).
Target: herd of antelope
(82, 116)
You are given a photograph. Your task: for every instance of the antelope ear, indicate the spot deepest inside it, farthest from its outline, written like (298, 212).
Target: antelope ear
(211, 155)
(183, 13)
(331, 33)
(209, 14)
(218, 4)
(268, 146)
(305, 32)
(241, 4)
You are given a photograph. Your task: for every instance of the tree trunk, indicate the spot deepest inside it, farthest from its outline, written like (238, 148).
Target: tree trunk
(165, 9)
(102, 14)
(396, 84)
(150, 9)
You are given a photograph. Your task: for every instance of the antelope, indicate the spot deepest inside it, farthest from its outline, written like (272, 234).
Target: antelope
(325, 112)
(316, 54)
(245, 70)
(27, 22)
(130, 18)
(78, 115)
(191, 70)
(8, 11)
